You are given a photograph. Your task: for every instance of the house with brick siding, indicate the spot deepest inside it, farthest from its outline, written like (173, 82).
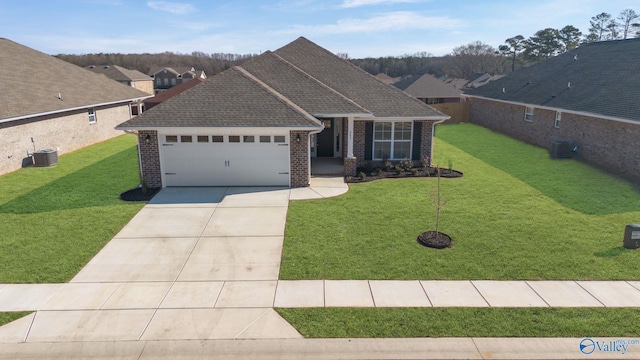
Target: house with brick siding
(262, 123)
(587, 97)
(48, 103)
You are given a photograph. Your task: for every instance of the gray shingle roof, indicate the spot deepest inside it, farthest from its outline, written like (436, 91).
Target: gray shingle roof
(603, 79)
(229, 99)
(305, 91)
(284, 88)
(118, 73)
(363, 88)
(31, 81)
(427, 86)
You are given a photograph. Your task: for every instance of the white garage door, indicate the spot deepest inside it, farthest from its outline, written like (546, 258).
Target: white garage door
(225, 160)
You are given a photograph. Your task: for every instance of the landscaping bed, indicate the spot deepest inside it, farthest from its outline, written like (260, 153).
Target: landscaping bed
(366, 175)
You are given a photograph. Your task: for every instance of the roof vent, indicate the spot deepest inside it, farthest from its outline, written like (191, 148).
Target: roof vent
(575, 57)
(106, 67)
(504, 90)
(92, 67)
(569, 85)
(59, 96)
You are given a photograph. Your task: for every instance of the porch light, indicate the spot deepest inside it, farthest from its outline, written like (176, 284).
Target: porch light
(298, 138)
(147, 139)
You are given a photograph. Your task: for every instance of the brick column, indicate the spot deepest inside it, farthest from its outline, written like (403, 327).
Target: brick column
(350, 166)
(358, 142)
(426, 147)
(149, 158)
(300, 168)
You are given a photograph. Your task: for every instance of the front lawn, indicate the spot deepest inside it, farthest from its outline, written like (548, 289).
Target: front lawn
(515, 215)
(54, 220)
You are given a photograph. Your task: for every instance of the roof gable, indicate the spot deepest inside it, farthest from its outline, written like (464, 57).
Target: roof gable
(599, 78)
(302, 89)
(354, 83)
(35, 83)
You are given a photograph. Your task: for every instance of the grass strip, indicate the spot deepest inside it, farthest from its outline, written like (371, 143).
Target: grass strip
(463, 322)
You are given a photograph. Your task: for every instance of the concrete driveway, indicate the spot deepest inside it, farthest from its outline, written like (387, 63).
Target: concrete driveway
(194, 263)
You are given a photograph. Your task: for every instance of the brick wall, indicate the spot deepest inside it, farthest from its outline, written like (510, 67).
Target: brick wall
(299, 159)
(426, 140)
(358, 141)
(64, 132)
(150, 158)
(611, 145)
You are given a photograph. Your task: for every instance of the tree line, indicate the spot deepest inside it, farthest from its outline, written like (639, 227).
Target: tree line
(464, 61)
(145, 63)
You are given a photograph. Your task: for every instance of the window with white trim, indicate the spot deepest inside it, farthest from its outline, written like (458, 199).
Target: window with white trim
(92, 116)
(392, 140)
(528, 113)
(556, 123)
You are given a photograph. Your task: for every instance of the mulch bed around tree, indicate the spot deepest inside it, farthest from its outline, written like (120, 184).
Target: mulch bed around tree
(435, 240)
(392, 174)
(138, 195)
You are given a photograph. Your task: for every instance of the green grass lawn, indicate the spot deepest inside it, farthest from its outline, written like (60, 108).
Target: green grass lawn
(54, 220)
(516, 214)
(463, 322)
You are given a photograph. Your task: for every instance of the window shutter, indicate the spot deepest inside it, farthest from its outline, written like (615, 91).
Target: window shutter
(368, 140)
(417, 139)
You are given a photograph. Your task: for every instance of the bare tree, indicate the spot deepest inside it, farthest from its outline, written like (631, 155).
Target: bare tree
(599, 26)
(627, 18)
(476, 57)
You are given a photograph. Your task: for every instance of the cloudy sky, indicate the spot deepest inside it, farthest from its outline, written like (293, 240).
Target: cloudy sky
(360, 28)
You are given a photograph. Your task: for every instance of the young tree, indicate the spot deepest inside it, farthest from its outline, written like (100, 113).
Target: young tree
(627, 18)
(514, 46)
(599, 25)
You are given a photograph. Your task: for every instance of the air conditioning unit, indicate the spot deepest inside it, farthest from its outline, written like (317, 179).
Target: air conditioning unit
(560, 150)
(45, 157)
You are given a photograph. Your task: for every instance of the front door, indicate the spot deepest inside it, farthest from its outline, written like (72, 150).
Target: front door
(325, 139)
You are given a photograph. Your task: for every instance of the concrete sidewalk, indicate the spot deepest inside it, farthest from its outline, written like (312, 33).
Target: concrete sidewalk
(261, 293)
(195, 273)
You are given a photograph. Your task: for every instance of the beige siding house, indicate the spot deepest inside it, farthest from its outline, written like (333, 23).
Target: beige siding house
(48, 103)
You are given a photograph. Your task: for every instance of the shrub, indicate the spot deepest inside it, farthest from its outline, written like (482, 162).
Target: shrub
(425, 162)
(399, 169)
(406, 164)
(388, 165)
(368, 167)
(379, 171)
(362, 175)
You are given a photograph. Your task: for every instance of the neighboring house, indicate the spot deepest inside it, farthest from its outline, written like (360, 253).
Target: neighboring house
(63, 108)
(429, 89)
(587, 97)
(261, 123)
(168, 77)
(440, 95)
(474, 81)
(132, 78)
(167, 94)
(386, 78)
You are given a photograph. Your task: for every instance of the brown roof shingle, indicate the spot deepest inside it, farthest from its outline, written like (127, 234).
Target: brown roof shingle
(31, 82)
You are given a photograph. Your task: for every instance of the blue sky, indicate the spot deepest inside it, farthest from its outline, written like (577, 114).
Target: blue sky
(360, 28)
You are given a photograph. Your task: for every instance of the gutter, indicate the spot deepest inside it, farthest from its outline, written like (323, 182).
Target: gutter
(72, 109)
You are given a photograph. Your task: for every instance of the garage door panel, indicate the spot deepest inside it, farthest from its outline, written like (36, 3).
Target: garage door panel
(225, 164)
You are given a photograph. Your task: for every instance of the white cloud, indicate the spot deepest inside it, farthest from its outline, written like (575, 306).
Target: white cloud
(394, 21)
(172, 7)
(358, 3)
